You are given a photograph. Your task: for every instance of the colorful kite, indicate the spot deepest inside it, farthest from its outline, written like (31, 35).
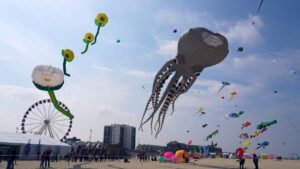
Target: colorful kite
(197, 49)
(263, 130)
(68, 57)
(246, 144)
(244, 136)
(263, 145)
(200, 112)
(88, 38)
(212, 134)
(48, 78)
(223, 85)
(235, 115)
(233, 94)
(246, 124)
(255, 134)
(266, 124)
(100, 21)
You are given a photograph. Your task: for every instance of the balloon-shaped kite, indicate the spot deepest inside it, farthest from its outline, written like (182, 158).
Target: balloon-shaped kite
(246, 124)
(168, 155)
(200, 112)
(197, 49)
(88, 38)
(223, 85)
(255, 134)
(68, 57)
(233, 94)
(49, 78)
(212, 134)
(246, 143)
(266, 124)
(263, 144)
(244, 136)
(204, 125)
(100, 21)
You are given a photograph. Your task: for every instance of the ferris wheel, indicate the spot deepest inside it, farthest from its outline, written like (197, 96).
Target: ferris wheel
(42, 118)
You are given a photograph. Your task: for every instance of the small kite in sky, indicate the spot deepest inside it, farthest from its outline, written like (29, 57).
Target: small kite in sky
(143, 87)
(262, 144)
(200, 112)
(244, 136)
(275, 91)
(255, 134)
(88, 38)
(235, 115)
(118, 41)
(204, 125)
(223, 85)
(174, 30)
(266, 124)
(293, 72)
(240, 49)
(233, 94)
(100, 21)
(246, 143)
(246, 124)
(68, 57)
(212, 134)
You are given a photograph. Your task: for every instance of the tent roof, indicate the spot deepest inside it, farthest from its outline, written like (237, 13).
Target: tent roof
(18, 138)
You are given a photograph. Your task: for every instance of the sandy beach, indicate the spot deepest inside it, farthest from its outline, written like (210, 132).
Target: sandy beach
(135, 164)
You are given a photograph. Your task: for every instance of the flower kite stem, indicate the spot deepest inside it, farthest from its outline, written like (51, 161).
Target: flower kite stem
(98, 30)
(65, 68)
(86, 48)
(56, 105)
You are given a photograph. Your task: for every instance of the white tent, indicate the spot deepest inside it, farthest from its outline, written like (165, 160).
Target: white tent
(30, 146)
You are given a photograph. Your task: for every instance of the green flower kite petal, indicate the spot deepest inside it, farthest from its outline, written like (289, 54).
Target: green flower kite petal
(88, 38)
(49, 78)
(68, 57)
(100, 21)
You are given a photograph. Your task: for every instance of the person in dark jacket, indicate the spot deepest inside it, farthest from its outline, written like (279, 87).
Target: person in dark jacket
(255, 161)
(11, 159)
(48, 157)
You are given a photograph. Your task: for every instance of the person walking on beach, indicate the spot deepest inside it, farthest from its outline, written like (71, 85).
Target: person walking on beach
(43, 159)
(48, 157)
(255, 161)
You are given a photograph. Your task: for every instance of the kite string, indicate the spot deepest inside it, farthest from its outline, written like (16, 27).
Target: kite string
(292, 124)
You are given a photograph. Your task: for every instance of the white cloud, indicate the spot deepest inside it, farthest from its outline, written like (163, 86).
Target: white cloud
(243, 31)
(102, 68)
(139, 73)
(167, 48)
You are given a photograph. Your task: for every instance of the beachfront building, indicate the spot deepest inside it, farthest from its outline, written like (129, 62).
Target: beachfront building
(120, 134)
(29, 147)
(150, 149)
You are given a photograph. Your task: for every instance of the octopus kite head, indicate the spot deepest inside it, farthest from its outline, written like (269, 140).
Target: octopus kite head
(68, 55)
(198, 48)
(101, 19)
(44, 77)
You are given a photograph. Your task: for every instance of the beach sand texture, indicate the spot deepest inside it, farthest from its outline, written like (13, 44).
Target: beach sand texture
(135, 164)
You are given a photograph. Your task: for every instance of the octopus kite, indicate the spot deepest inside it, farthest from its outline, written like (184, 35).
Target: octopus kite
(263, 145)
(246, 124)
(197, 49)
(266, 124)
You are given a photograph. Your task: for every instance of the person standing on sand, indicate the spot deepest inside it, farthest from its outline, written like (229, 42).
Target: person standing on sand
(43, 159)
(240, 155)
(255, 161)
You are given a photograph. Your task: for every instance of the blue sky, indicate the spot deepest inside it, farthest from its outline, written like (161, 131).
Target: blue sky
(105, 86)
